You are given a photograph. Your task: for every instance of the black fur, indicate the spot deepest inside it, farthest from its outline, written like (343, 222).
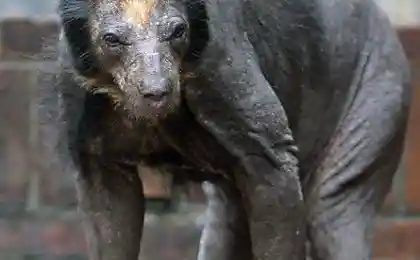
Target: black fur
(199, 32)
(74, 18)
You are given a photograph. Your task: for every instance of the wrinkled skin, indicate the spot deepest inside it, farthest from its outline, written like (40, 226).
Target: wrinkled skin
(294, 112)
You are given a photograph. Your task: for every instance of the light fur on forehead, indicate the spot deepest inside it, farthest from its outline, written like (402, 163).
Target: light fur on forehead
(138, 11)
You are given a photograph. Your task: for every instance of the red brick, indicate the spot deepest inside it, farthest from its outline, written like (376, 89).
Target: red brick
(412, 190)
(397, 239)
(14, 132)
(410, 38)
(155, 184)
(59, 237)
(32, 235)
(15, 88)
(28, 39)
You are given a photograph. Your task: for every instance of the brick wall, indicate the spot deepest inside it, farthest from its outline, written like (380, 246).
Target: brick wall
(37, 207)
(399, 226)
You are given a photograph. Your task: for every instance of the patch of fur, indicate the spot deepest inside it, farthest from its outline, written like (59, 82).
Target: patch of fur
(138, 11)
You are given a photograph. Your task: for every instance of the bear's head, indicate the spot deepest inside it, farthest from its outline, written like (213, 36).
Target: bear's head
(134, 50)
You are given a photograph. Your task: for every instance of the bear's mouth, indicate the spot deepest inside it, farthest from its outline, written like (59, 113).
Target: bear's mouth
(159, 90)
(145, 102)
(152, 105)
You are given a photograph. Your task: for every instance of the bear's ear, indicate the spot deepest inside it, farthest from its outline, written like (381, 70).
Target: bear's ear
(199, 29)
(74, 19)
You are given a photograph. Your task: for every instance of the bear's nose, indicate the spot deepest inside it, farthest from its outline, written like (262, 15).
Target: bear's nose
(156, 95)
(157, 91)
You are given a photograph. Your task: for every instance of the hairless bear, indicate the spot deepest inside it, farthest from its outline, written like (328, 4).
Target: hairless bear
(292, 114)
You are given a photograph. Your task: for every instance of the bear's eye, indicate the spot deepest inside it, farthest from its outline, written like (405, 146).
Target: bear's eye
(111, 39)
(175, 29)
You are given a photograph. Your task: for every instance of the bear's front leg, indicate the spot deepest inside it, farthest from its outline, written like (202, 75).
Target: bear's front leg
(226, 233)
(112, 202)
(233, 101)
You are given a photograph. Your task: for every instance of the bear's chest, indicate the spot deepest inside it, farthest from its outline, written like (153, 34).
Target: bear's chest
(178, 143)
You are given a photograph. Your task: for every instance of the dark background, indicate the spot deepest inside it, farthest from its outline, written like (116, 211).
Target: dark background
(38, 220)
